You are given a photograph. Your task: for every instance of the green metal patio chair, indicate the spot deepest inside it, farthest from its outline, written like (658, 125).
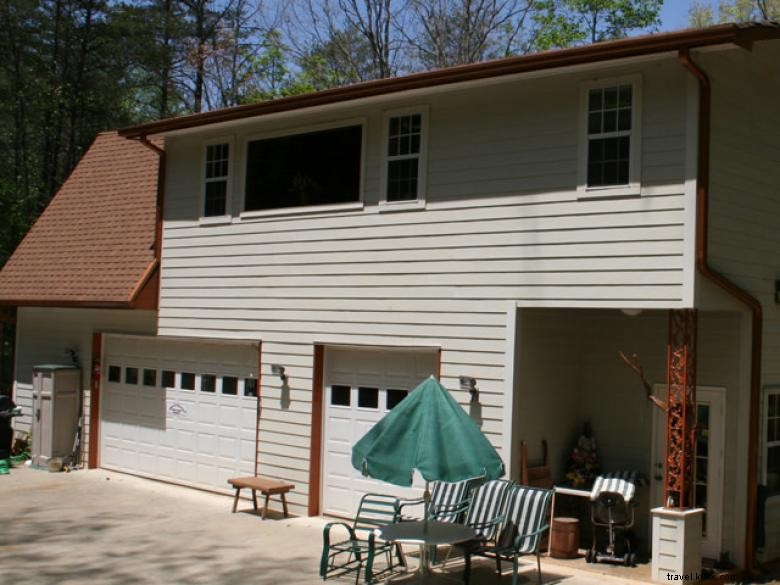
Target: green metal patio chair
(362, 545)
(522, 528)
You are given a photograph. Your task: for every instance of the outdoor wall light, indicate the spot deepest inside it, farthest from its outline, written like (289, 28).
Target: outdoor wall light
(278, 370)
(470, 384)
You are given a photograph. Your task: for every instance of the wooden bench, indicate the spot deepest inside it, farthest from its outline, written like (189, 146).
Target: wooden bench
(265, 486)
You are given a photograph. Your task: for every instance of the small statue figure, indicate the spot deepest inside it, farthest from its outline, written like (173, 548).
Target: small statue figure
(583, 466)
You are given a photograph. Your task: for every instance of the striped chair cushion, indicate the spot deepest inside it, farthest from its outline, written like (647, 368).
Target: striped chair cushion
(621, 482)
(526, 513)
(487, 505)
(446, 499)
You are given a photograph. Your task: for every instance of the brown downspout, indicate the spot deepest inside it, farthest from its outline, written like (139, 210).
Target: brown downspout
(702, 264)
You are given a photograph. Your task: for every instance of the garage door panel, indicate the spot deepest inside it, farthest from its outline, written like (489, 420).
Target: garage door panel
(163, 423)
(368, 374)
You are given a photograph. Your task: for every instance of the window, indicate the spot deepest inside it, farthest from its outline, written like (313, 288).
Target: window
(611, 138)
(250, 387)
(215, 190)
(368, 397)
(315, 168)
(340, 395)
(187, 381)
(772, 441)
(114, 374)
(208, 383)
(168, 379)
(229, 385)
(150, 377)
(131, 375)
(394, 398)
(404, 152)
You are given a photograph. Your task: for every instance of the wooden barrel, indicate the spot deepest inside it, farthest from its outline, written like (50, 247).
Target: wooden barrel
(565, 539)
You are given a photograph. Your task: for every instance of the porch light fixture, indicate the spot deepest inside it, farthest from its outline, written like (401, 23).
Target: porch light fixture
(631, 312)
(470, 384)
(278, 370)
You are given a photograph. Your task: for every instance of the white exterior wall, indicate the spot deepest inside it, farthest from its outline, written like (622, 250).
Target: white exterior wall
(745, 202)
(503, 223)
(45, 334)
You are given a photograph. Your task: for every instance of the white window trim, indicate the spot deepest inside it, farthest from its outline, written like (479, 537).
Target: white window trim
(226, 217)
(635, 161)
(361, 121)
(422, 167)
(772, 389)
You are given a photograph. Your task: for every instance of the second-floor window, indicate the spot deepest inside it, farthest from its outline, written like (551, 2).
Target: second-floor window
(404, 157)
(609, 135)
(611, 142)
(215, 192)
(313, 168)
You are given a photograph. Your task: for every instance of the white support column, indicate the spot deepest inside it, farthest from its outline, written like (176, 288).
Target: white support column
(676, 544)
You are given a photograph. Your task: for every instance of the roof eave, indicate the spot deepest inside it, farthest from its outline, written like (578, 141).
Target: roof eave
(742, 35)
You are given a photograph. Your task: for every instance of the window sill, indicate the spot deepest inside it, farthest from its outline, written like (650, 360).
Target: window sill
(632, 190)
(391, 206)
(215, 220)
(307, 210)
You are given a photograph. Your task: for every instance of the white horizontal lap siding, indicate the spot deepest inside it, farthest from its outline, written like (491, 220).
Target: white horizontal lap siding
(744, 239)
(502, 223)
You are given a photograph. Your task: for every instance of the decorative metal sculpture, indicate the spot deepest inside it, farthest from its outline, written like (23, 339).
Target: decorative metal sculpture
(680, 406)
(680, 409)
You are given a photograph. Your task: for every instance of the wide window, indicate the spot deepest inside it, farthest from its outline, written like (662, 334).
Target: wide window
(215, 191)
(315, 168)
(404, 160)
(772, 441)
(611, 137)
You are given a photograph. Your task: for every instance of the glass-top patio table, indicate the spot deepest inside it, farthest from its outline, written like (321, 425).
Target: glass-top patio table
(426, 534)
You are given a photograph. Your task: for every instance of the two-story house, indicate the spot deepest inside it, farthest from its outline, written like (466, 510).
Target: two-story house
(519, 222)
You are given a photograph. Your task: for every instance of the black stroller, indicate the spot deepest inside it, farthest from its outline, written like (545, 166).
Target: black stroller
(612, 507)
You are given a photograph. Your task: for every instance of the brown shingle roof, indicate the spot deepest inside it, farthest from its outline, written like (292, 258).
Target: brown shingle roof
(94, 243)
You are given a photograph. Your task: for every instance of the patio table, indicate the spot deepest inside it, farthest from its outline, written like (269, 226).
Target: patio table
(426, 534)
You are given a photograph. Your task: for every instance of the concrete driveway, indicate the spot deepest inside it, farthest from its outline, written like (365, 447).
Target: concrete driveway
(99, 527)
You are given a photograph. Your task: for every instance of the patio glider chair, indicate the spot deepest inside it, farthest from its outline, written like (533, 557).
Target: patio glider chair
(485, 513)
(449, 501)
(522, 528)
(361, 546)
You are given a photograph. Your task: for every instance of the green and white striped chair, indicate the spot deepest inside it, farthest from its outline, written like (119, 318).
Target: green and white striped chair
(522, 527)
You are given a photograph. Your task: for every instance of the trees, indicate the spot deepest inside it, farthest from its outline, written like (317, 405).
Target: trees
(702, 13)
(576, 22)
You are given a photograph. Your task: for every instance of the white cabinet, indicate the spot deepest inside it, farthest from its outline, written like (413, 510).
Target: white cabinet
(55, 412)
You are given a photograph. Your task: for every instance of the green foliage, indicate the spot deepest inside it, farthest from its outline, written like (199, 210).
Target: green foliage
(563, 23)
(703, 14)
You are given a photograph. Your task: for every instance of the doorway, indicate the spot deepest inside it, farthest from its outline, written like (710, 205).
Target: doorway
(708, 465)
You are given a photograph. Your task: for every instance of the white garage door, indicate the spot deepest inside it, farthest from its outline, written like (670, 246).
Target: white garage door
(180, 411)
(360, 388)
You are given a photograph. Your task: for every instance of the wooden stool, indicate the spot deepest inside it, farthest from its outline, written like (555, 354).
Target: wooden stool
(565, 538)
(265, 486)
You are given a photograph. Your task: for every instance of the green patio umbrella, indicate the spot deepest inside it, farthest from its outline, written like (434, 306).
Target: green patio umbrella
(430, 432)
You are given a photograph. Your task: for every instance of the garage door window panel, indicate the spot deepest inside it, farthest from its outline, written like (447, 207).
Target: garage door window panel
(150, 378)
(187, 381)
(168, 379)
(229, 385)
(208, 383)
(131, 375)
(368, 397)
(394, 397)
(114, 374)
(250, 387)
(340, 395)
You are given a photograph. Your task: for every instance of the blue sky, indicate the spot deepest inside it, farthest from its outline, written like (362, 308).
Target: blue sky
(674, 14)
